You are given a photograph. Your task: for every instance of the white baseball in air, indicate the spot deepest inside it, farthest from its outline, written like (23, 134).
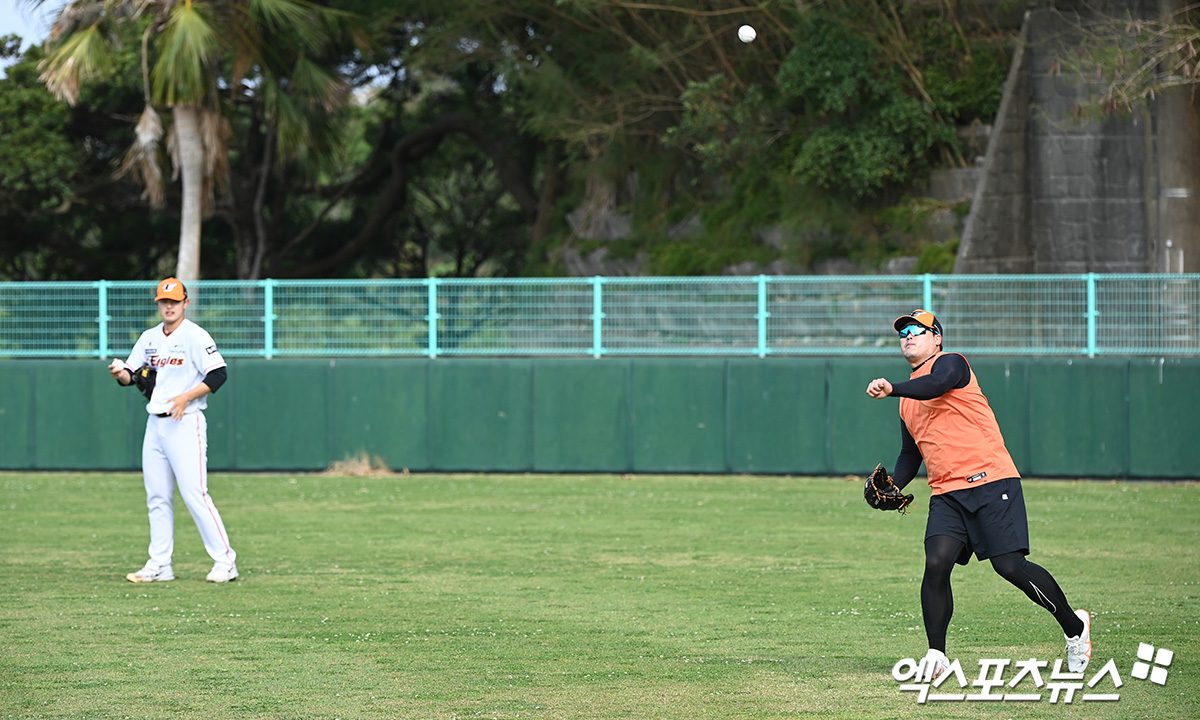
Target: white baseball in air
(746, 34)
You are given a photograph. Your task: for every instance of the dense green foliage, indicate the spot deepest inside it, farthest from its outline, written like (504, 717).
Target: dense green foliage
(496, 138)
(64, 215)
(35, 155)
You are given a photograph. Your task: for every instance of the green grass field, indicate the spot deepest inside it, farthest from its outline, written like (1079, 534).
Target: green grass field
(563, 597)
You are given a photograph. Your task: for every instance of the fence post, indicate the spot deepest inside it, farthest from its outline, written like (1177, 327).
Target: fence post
(927, 293)
(102, 320)
(268, 318)
(432, 317)
(597, 316)
(762, 316)
(1091, 314)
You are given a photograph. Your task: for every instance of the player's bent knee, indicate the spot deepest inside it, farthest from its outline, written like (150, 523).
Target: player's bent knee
(1010, 566)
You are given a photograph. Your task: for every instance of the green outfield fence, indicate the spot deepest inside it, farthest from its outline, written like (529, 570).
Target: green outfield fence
(1085, 315)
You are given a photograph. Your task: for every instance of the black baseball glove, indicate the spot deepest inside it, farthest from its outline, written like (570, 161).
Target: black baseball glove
(883, 494)
(144, 377)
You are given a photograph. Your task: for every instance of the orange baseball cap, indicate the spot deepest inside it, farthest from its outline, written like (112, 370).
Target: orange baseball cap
(924, 318)
(171, 289)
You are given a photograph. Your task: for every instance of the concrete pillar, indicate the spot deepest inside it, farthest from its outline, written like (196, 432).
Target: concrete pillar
(1177, 111)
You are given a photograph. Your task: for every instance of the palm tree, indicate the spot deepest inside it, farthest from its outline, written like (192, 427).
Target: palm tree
(193, 52)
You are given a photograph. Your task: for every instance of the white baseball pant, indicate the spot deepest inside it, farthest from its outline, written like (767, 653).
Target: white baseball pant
(176, 453)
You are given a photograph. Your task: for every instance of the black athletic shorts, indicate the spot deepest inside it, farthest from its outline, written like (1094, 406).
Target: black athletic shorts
(990, 520)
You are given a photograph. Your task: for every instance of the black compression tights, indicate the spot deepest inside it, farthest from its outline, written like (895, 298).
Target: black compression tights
(937, 600)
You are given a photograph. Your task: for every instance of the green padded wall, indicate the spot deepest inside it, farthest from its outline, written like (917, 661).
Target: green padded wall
(1061, 417)
(88, 423)
(222, 420)
(581, 416)
(19, 441)
(1006, 385)
(1164, 417)
(862, 430)
(678, 415)
(480, 415)
(1078, 418)
(377, 408)
(282, 412)
(776, 415)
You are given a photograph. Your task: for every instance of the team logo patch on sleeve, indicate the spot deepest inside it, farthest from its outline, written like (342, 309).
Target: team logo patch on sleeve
(210, 349)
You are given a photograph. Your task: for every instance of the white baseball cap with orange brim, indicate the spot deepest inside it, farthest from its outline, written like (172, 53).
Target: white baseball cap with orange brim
(171, 289)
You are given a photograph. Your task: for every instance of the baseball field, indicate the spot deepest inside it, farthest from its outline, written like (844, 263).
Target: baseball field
(645, 597)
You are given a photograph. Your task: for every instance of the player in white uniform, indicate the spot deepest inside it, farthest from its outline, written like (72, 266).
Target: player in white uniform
(175, 447)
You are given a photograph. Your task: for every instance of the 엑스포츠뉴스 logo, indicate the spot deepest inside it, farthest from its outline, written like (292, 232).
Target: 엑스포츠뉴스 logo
(1001, 680)
(1156, 672)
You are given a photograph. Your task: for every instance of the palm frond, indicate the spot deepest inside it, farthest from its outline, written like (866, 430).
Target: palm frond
(81, 56)
(74, 16)
(143, 160)
(188, 46)
(215, 133)
(291, 17)
(291, 125)
(303, 139)
(318, 86)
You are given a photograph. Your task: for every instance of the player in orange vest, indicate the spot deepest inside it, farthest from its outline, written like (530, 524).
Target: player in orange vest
(976, 503)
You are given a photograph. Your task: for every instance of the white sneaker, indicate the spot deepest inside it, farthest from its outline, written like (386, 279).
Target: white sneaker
(151, 573)
(222, 574)
(1079, 649)
(932, 666)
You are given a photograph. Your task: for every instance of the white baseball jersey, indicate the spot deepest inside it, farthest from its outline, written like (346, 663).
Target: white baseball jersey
(181, 358)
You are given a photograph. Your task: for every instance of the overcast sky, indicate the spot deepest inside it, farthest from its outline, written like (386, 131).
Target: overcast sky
(24, 21)
(30, 24)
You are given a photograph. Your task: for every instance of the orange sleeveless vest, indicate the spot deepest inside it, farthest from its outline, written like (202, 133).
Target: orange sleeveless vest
(957, 435)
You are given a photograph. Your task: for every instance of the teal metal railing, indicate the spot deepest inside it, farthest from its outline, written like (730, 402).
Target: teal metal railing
(1081, 315)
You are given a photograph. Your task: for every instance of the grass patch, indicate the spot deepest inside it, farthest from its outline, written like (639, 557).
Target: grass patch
(386, 596)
